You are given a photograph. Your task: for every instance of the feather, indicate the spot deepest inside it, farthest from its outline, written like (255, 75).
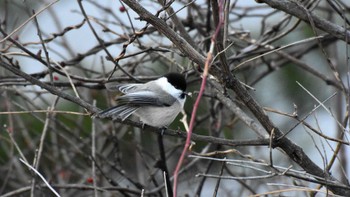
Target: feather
(144, 98)
(119, 111)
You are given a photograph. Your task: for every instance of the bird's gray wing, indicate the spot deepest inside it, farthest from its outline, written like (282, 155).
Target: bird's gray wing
(145, 98)
(124, 88)
(129, 103)
(122, 110)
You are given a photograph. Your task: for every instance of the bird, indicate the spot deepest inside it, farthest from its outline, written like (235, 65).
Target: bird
(157, 103)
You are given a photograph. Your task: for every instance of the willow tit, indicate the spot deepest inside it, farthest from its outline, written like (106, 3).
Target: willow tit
(156, 103)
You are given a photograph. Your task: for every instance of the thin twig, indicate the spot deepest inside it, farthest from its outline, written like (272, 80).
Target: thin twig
(28, 20)
(323, 106)
(196, 105)
(93, 153)
(219, 180)
(42, 178)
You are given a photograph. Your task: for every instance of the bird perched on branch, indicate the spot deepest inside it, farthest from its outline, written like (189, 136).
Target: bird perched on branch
(156, 103)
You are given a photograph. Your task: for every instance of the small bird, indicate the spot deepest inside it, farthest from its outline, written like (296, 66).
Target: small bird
(156, 103)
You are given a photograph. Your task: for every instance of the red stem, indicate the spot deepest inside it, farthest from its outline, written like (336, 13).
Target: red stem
(196, 104)
(189, 133)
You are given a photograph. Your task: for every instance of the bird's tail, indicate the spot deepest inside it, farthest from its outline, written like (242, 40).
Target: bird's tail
(119, 111)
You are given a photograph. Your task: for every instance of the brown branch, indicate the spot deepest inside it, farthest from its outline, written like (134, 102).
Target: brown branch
(49, 88)
(92, 109)
(162, 27)
(101, 42)
(294, 151)
(296, 9)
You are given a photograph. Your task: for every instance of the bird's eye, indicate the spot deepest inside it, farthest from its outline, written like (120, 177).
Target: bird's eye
(183, 95)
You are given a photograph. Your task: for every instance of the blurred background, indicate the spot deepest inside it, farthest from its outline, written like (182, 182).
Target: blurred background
(81, 156)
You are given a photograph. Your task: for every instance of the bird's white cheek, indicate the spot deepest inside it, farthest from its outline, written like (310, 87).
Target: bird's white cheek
(182, 101)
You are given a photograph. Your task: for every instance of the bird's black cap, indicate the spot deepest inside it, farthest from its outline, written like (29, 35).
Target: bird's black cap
(177, 80)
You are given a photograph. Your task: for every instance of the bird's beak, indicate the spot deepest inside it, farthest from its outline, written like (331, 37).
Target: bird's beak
(188, 94)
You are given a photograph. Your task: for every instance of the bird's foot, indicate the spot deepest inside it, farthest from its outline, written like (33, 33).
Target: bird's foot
(163, 130)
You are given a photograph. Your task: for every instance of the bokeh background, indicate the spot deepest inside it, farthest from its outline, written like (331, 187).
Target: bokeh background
(82, 156)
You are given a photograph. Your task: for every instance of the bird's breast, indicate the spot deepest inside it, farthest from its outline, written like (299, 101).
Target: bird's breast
(159, 116)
